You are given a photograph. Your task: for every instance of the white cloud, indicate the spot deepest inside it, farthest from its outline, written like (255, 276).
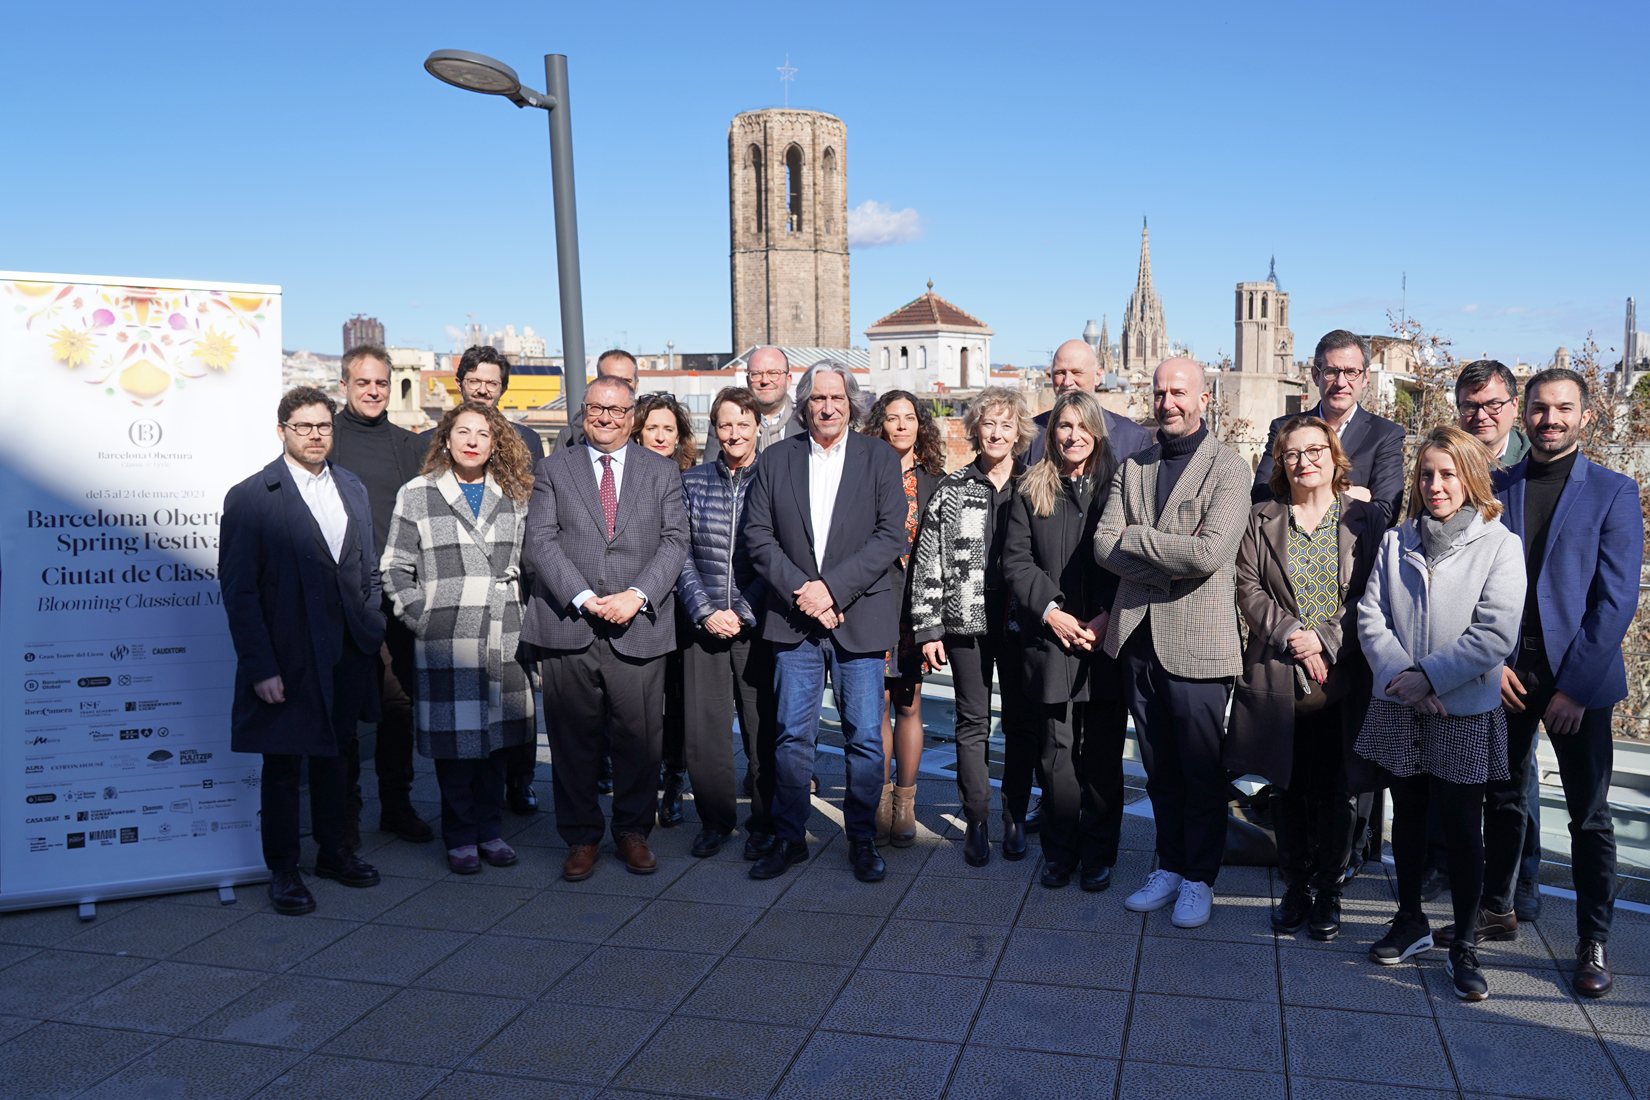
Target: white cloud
(873, 223)
(454, 333)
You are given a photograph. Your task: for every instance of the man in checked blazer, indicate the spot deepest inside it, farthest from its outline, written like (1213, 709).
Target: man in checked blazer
(1171, 530)
(606, 537)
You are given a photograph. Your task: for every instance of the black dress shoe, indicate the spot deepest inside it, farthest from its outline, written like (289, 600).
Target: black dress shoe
(1592, 976)
(1323, 923)
(1527, 901)
(345, 868)
(1014, 839)
(1095, 879)
(1055, 875)
(289, 895)
(1289, 915)
(779, 859)
(758, 845)
(708, 842)
(405, 823)
(976, 844)
(670, 803)
(1034, 816)
(604, 775)
(868, 866)
(522, 799)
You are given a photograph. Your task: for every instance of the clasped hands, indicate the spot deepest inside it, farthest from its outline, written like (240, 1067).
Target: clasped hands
(618, 608)
(1563, 714)
(1412, 688)
(724, 623)
(1072, 632)
(815, 599)
(1307, 648)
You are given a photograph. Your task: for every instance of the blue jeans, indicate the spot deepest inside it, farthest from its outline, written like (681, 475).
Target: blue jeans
(856, 686)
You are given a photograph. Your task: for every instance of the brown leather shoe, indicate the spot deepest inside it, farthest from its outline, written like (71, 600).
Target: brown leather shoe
(637, 859)
(1491, 926)
(1592, 977)
(580, 863)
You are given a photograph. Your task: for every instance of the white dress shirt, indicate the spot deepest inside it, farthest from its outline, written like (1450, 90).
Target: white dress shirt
(320, 492)
(824, 479)
(1340, 432)
(618, 482)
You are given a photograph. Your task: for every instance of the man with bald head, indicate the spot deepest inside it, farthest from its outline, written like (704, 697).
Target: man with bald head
(1074, 368)
(768, 376)
(1171, 528)
(613, 363)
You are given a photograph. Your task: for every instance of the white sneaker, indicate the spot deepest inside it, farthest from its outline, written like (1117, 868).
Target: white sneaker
(1191, 909)
(1159, 890)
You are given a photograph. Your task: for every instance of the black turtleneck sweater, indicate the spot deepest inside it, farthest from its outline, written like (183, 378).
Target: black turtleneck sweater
(383, 455)
(1177, 453)
(1543, 484)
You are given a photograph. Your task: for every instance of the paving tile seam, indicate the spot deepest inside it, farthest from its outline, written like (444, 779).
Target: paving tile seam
(974, 1020)
(251, 1090)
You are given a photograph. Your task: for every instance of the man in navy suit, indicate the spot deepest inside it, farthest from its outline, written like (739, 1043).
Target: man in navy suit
(1340, 370)
(1073, 369)
(299, 574)
(1583, 533)
(826, 520)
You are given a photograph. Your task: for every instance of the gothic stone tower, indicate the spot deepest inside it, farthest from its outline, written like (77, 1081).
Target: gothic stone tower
(788, 227)
(1145, 339)
(1265, 344)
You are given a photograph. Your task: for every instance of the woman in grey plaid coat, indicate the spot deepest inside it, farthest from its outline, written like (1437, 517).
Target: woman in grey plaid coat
(452, 569)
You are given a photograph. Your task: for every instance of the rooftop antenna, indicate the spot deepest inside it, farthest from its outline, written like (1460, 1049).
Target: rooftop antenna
(786, 75)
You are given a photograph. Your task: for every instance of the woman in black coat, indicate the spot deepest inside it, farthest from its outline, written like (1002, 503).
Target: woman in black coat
(908, 426)
(1064, 598)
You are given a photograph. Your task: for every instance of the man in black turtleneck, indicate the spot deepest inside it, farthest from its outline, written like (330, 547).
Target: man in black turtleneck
(385, 457)
(1583, 533)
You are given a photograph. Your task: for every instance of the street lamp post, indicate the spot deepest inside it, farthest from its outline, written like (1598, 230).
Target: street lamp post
(479, 73)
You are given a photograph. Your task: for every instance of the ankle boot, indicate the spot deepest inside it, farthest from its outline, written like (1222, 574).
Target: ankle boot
(885, 813)
(903, 832)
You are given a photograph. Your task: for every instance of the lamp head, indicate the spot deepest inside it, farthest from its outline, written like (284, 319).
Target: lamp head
(473, 72)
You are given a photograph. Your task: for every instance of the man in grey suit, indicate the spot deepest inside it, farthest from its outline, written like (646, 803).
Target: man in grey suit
(1171, 530)
(606, 537)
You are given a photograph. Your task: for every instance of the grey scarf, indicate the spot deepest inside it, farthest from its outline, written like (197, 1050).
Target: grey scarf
(1437, 538)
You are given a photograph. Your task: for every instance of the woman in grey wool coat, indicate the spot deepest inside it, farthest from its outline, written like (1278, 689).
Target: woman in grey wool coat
(452, 569)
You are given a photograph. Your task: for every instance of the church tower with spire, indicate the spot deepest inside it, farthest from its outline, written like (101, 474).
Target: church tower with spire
(1145, 341)
(1264, 342)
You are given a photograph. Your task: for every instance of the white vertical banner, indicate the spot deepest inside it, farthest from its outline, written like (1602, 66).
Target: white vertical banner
(132, 407)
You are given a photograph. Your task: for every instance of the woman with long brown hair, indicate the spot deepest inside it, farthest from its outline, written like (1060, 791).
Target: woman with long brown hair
(907, 425)
(461, 521)
(664, 427)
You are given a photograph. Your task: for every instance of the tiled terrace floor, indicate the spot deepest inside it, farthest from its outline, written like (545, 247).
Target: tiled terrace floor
(942, 981)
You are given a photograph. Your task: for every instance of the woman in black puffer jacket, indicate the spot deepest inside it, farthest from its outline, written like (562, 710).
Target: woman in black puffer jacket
(727, 667)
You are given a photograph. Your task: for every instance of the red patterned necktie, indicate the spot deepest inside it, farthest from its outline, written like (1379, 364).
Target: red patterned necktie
(610, 496)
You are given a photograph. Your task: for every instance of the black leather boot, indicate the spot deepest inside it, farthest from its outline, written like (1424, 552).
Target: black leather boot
(977, 844)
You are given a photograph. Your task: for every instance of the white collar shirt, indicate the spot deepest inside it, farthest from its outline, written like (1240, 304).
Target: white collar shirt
(1340, 432)
(618, 466)
(824, 479)
(320, 493)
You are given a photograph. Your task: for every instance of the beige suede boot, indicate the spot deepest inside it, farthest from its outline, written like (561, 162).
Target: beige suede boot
(903, 834)
(885, 813)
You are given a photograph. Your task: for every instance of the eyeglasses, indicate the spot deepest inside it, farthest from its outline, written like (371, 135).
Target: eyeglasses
(660, 398)
(755, 374)
(1469, 410)
(613, 412)
(307, 430)
(1330, 374)
(1314, 455)
(477, 384)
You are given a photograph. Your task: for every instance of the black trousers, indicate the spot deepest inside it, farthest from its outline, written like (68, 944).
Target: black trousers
(472, 798)
(1584, 762)
(973, 660)
(1315, 818)
(1460, 815)
(588, 690)
(725, 677)
(398, 684)
(1080, 768)
(1179, 723)
(278, 798)
(673, 748)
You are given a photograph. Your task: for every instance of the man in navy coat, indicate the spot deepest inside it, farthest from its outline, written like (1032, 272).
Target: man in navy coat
(1583, 533)
(299, 576)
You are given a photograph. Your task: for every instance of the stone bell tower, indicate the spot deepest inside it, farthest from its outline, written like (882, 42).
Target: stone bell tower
(788, 229)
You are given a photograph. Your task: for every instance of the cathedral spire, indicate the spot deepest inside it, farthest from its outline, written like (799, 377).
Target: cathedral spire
(1143, 280)
(1145, 341)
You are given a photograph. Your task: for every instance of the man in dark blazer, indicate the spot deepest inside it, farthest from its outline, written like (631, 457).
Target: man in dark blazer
(825, 522)
(483, 376)
(615, 363)
(1583, 532)
(606, 537)
(1074, 368)
(1340, 370)
(299, 574)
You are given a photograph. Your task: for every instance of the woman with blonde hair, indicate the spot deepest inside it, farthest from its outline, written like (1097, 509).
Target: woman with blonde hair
(452, 570)
(1437, 621)
(1063, 599)
(961, 615)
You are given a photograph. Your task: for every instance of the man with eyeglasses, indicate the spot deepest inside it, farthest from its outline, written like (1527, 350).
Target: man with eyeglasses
(1486, 403)
(613, 363)
(768, 375)
(384, 456)
(1340, 369)
(606, 538)
(300, 589)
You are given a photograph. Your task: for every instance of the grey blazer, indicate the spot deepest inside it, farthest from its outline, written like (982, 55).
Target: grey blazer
(569, 551)
(1179, 566)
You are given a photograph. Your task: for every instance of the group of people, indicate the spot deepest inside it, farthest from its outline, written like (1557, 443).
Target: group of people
(1285, 622)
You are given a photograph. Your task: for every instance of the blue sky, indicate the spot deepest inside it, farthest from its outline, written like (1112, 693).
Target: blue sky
(1494, 152)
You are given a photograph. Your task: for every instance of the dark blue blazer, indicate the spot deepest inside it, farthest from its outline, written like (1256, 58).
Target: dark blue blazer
(278, 586)
(1373, 443)
(1589, 583)
(866, 540)
(1127, 437)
